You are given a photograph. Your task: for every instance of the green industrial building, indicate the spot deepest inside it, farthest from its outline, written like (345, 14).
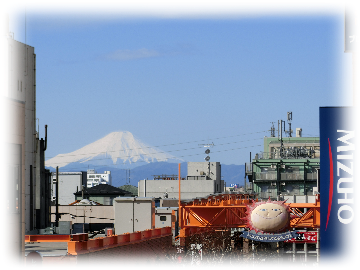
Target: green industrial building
(287, 166)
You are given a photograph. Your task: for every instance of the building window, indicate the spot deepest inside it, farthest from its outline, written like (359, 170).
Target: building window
(13, 189)
(311, 247)
(162, 218)
(91, 176)
(287, 246)
(300, 247)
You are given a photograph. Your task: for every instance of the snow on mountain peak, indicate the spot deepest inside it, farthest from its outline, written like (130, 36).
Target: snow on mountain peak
(117, 147)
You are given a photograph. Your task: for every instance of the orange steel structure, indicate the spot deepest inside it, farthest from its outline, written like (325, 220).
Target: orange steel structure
(225, 211)
(80, 243)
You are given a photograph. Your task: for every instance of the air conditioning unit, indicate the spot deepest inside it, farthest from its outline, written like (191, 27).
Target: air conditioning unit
(282, 166)
(273, 166)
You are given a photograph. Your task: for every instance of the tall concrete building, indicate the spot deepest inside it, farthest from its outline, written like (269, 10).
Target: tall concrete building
(27, 187)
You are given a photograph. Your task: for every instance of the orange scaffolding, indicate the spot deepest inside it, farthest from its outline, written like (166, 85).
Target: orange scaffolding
(225, 211)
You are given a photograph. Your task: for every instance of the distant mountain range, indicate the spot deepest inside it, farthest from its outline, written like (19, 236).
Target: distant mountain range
(119, 150)
(114, 151)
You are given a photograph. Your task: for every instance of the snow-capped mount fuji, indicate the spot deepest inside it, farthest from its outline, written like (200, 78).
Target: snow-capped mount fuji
(114, 150)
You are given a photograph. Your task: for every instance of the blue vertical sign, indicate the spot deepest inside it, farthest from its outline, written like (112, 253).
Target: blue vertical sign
(337, 154)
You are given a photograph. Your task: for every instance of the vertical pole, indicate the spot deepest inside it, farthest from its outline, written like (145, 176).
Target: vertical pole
(281, 140)
(179, 196)
(57, 197)
(31, 199)
(318, 246)
(290, 129)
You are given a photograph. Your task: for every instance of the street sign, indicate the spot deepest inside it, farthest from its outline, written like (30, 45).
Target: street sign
(338, 186)
(304, 237)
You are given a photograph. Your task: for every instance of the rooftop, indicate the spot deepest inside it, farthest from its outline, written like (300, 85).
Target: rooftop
(104, 189)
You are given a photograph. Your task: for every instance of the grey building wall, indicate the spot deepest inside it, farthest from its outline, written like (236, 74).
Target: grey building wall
(69, 183)
(211, 169)
(85, 213)
(189, 188)
(133, 214)
(19, 82)
(163, 216)
(203, 179)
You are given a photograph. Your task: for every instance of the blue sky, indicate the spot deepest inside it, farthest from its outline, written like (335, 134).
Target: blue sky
(178, 82)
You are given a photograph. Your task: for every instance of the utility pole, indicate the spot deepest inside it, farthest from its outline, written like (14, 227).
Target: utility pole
(281, 139)
(57, 198)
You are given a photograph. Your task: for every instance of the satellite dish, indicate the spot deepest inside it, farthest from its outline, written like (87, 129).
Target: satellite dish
(207, 151)
(207, 158)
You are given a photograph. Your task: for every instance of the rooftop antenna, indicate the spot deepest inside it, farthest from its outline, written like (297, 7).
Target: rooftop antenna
(272, 130)
(126, 177)
(289, 119)
(207, 151)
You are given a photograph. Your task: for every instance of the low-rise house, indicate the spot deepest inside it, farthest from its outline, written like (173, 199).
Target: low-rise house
(103, 194)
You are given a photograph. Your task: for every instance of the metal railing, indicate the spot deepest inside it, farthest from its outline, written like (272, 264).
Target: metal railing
(289, 154)
(265, 176)
(292, 176)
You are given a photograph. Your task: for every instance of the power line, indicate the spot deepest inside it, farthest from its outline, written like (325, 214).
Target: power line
(164, 152)
(123, 150)
(184, 156)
